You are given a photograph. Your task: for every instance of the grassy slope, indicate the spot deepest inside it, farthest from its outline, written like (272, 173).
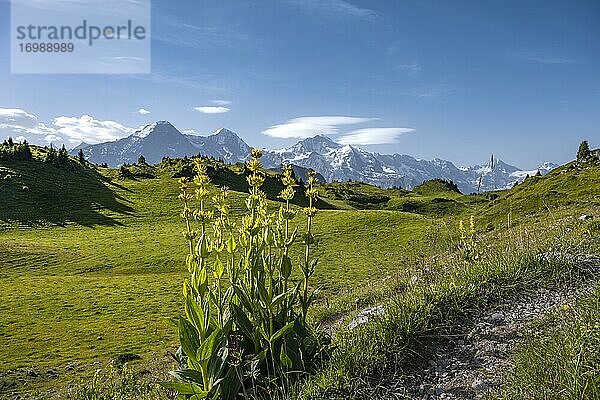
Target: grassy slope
(119, 273)
(507, 263)
(114, 269)
(436, 198)
(561, 359)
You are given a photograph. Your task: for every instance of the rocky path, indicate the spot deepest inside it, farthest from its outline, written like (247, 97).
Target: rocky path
(475, 360)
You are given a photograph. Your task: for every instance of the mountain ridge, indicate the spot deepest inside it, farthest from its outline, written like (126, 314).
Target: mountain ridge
(332, 160)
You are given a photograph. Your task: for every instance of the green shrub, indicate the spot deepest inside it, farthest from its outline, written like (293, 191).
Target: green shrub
(11, 151)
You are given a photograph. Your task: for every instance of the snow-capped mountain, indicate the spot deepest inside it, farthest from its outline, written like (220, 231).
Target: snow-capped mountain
(345, 162)
(161, 139)
(153, 141)
(223, 144)
(332, 160)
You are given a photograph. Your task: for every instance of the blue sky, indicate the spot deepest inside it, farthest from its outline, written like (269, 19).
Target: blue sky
(457, 80)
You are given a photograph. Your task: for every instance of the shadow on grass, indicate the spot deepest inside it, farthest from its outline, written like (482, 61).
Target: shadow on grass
(36, 193)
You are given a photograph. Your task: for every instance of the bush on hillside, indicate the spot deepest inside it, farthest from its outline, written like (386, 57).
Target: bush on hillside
(10, 151)
(584, 151)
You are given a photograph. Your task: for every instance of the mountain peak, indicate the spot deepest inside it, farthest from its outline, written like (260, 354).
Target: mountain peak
(320, 144)
(224, 132)
(319, 139)
(158, 127)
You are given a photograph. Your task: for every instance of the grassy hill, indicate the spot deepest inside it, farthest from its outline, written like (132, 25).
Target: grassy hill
(435, 197)
(91, 259)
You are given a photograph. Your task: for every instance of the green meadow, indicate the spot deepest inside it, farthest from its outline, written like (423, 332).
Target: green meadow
(92, 260)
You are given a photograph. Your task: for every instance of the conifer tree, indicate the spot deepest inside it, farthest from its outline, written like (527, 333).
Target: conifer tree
(80, 156)
(26, 150)
(584, 151)
(50, 155)
(63, 156)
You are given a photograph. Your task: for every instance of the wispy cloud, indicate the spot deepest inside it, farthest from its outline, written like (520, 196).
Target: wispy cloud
(10, 117)
(171, 75)
(550, 60)
(434, 92)
(52, 138)
(304, 127)
(143, 111)
(15, 120)
(221, 102)
(178, 32)
(368, 136)
(334, 9)
(412, 68)
(212, 109)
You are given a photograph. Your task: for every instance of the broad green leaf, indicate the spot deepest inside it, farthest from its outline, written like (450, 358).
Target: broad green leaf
(195, 314)
(231, 244)
(243, 297)
(188, 376)
(207, 347)
(242, 321)
(278, 299)
(282, 332)
(189, 339)
(219, 268)
(284, 359)
(286, 266)
(184, 388)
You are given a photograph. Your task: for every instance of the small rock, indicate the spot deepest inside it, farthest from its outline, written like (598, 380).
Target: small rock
(126, 357)
(100, 337)
(585, 217)
(439, 390)
(413, 280)
(31, 372)
(480, 385)
(366, 315)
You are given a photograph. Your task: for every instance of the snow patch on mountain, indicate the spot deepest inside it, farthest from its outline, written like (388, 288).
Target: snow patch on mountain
(332, 160)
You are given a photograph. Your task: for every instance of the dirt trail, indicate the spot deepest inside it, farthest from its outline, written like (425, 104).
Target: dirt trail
(474, 361)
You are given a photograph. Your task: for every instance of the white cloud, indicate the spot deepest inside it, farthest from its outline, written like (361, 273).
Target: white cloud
(20, 138)
(211, 109)
(550, 60)
(221, 102)
(15, 117)
(89, 130)
(335, 9)
(52, 138)
(373, 136)
(412, 68)
(143, 111)
(19, 121)
(74, 129)
(190, 132)
(304, 127)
